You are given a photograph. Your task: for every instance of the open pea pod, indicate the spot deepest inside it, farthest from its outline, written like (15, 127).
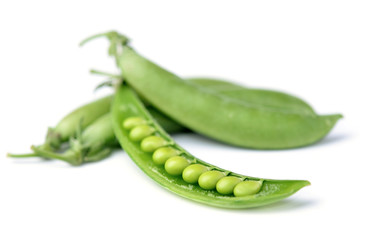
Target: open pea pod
(157, 154)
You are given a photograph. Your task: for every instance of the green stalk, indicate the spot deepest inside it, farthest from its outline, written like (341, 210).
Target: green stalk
(26, 155)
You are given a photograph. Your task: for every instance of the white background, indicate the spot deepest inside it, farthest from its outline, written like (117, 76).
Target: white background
(316, 50)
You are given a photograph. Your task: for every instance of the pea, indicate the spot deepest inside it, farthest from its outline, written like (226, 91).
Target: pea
(247, 188)
(151, 143)
(140, 132)
(132, 122)
(209, 179)
(225, 185)
(192, 173)
(175, 165)
(161, 155)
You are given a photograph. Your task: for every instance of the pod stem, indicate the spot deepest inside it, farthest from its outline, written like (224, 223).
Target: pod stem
(98, 72)
(26, 155)
(112, 80)
(117, 41)
(72, 157)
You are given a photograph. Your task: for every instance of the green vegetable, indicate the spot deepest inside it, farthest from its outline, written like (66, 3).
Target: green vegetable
(86, 134)
(133, 122)
(152, 143)
(66, 130)
(93, 144)
(168, 176)
(209, 179)
(175, 165)
(259, 97)
(75, 121)
(89, 118)
(226, 185)
(161, 155)
(140, 132)
(247, 188)
(192, 173)
(217, 115)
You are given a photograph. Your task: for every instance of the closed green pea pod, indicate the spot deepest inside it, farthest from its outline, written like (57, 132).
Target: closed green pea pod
(226, 185)
(93, 144)
(79, 118)
(161, 155)
(175, 165)
(152, 143)
(247, 188)
(132, 122)
(220, 117)
(192, 173)
(140, 132)
(253, 123)
(208, 180)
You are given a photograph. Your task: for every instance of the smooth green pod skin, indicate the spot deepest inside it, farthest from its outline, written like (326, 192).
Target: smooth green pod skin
(227, 184)
(98, 137)
(257, 97)
(247, 188)
(192, 173)
(161, 155)
(166, 122)
(127, 104)
(175, 165)
(218, 116)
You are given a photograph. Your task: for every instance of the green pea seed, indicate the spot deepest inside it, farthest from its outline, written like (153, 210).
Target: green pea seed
(226, 185)
(132, 122)
(208, 180)
(247, 188)
(152, 143)
(140, 132)
(161, 155)
(176, 165)
(192, 173)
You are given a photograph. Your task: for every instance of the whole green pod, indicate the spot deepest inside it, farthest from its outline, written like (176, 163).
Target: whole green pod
(220, 117)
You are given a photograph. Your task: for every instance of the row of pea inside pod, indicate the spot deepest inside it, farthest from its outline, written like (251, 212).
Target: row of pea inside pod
(176, 163)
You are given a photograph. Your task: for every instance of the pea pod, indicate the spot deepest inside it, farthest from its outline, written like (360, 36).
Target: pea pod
(88, 134)
(93, 144)
(67, 130)
(79, 118)
(198, 177)
(259, 97)
(215, 115)
(219, 117)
